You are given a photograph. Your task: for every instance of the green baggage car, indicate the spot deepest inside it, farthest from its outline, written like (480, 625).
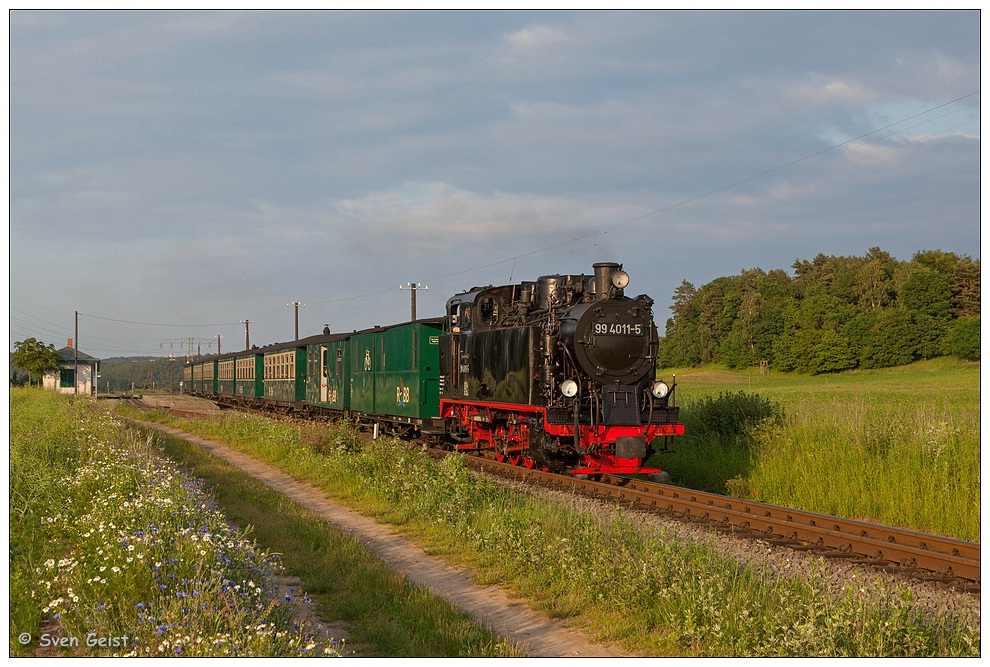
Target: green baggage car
(395, 375)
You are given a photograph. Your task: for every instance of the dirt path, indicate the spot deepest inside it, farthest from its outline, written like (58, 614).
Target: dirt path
(488, 605)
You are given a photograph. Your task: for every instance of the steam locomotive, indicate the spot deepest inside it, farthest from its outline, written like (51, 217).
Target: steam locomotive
(557, 373)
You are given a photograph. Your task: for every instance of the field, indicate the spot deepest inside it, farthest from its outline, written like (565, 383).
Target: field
(897, 446)
(655, 594)
(115, 551)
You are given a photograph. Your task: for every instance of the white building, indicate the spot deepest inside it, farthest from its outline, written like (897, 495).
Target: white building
(66, 381)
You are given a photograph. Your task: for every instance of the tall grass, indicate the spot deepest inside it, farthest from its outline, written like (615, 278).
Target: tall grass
(116, 552)
(896, 446)
(658, 595)
(44, 449)
(913, 466)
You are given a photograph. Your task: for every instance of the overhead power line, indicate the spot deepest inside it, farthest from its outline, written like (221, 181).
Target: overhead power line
(160, 324)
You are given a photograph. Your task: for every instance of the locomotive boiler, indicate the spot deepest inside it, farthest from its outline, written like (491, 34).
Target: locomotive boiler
(559, 373)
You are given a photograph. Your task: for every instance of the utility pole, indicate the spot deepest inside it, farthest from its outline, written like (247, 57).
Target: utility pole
(296, 304)
(75, 357)
(218, 343)
(247, 333)
(413, 288)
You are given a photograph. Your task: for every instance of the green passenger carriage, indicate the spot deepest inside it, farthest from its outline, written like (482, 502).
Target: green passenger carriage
(249, 381)
(204, 377)
(394, 372)
(327, 375)
(285, 376)
(225, 375)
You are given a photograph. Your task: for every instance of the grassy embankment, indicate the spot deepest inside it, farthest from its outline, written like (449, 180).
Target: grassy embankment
(898, 446)
(116, 551)
(655, 594)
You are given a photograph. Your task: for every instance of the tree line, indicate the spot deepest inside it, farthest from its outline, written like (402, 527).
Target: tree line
(834, 314)
(140, 374)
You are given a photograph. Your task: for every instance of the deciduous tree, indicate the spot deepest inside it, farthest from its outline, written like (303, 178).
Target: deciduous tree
(35, 357)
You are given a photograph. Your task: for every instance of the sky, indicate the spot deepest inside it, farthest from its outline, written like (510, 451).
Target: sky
(175, 174)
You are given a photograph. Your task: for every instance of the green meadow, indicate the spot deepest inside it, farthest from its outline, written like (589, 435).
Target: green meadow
(898, 446)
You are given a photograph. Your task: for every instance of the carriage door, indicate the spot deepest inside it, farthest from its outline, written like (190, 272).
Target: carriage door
(324, 372)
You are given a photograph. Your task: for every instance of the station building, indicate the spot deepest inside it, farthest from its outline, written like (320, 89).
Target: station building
(66, 380)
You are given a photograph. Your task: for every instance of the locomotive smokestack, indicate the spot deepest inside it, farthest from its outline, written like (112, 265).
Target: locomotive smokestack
(603, 278)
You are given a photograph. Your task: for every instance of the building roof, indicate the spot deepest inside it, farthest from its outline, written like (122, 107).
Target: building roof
(69, 354)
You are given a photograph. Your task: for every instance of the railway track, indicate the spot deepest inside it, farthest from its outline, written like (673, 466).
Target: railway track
(946, 560)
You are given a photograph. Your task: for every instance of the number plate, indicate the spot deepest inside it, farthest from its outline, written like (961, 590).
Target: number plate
(618, 329)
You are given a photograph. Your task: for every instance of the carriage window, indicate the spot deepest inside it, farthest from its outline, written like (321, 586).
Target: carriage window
(340, 362)
(465, 316)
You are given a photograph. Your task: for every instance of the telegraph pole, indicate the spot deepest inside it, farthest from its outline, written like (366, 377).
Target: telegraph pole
(296, 304)
(413, 288)
(75, 357)
(247, 333)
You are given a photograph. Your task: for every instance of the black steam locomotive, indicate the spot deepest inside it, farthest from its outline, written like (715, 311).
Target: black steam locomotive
(557, 373)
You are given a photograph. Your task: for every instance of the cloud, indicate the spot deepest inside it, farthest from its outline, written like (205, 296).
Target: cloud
(424, 217)
(229, 162)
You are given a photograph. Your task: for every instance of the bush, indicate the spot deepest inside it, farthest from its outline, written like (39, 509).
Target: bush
(735, 414)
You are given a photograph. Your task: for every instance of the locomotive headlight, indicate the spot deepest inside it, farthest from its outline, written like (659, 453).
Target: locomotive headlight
(660, 389)
(620, 279)
(569, 388)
